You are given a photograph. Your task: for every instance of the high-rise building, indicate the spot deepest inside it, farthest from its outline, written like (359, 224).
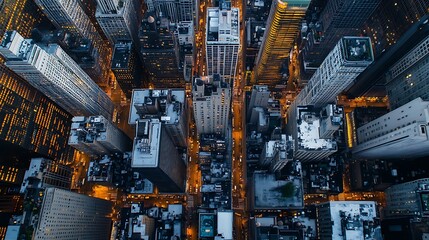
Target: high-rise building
(350, 57)
(309, 145)
(373, 80)
(161, 165)
(407, 199)
(345, 219)
(69, 215)
(51, 71)
(391, 20)
(70, 16)
(126, 66)
(282, 28)
(119, 19)
(338, 18)
(222, 42)
(186, 10)
(96, 135)
(211, 99)
(277, 153)
(401, 133)
(39, 125)
(259, 97)
(160, 52)
(169, 106)
(407, 78)
(44, 173)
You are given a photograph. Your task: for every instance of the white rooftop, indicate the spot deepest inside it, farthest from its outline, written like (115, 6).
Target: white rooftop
(223, 25)
(171, 114)
(308, 133)
(146, 150)
(364, 209)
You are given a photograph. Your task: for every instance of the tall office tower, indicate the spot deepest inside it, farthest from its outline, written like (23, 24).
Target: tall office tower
(222, 42)
(126, 66)
(44, 173)
(211, 99)
(39, 125)
(309, 144)
(339, 18)
(401, 133)
(407, 199)
(160, 52)
(391, 20)
(119, 19)
(164, 8)
(51, 71)
(96, 135)
(259, 97)
(372, 81)
(70, 16)
(161, 165)
(407, 78)
(345, 219)
(350, 57)
(282, 28)
(169, 106)
(186, 10)
(68, 215)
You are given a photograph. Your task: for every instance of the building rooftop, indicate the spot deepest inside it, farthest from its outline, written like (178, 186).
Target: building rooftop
(121, 55)
(348, 217)
(170, 106)
(357, 49)
(308, 132)
(13, 45)
(278, 194)
(223, 26)
(146, 144)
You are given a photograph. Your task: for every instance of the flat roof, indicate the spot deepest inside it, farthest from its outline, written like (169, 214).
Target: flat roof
(357, 49)
(308, 133)
(171, 114)
(223, 26)
(206, 224)
(121, 55)
(268, 192)
(146, 150)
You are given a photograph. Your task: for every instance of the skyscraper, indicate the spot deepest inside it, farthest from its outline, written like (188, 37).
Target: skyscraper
(345, 219)
(169, 106)
(69, 215)
(96, 135)
(211, 99)
(119, 19)
(338, 18)
(186, 10)
(407, 78)
(407, 199)
(222, 42)
(401, 133)
(282, 28)
(161, 165)
(54, 73)
(70, 16)
(126, 66)
(44, 173)
(350, 57)
(160, 52)
(259, 97)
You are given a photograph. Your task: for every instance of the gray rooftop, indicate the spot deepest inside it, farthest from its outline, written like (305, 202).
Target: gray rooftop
(121, 55)
(268, 192)
(146, 147)
(172, 110)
